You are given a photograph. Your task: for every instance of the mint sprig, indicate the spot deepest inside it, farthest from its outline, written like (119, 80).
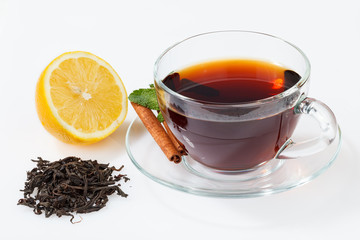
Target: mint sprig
(146, 97)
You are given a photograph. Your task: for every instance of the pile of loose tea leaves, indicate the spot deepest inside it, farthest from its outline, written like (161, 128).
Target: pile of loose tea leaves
(70, 185)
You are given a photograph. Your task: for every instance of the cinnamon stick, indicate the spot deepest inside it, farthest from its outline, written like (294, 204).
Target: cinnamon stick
(157, 132)
(177, 145)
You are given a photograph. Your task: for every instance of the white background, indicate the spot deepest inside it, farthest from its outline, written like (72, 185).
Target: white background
(130, 35)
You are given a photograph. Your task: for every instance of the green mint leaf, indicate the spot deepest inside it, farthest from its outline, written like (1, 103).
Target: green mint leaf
(145, 97)
(152, 85)
(160, 117)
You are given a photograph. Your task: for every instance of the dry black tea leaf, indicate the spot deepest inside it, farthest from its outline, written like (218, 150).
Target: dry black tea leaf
(70, 185)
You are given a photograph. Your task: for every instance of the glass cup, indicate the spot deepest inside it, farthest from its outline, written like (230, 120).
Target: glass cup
(241, 137)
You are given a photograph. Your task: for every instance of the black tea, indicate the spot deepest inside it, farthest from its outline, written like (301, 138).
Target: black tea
(70, 185)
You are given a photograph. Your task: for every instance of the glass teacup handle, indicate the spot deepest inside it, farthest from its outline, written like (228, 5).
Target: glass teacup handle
(328, 126)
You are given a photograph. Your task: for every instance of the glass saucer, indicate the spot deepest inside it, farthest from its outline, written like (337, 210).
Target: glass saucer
(190, 176)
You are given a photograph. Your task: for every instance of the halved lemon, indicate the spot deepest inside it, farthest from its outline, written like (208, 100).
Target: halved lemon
(80, 98)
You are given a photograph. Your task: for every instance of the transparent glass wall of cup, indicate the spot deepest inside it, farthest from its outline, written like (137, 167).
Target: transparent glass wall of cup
(242, 144)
